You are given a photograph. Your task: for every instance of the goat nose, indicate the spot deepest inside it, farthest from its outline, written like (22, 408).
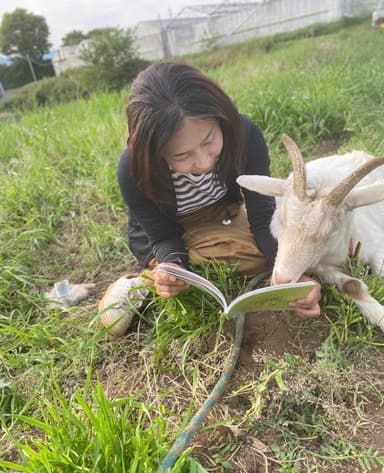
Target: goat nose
(278, 279)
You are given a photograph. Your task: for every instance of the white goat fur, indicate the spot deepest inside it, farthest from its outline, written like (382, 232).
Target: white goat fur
(317, 237)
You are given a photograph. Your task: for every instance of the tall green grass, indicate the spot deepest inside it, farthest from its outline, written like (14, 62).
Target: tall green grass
(97, 435)
(314, 89)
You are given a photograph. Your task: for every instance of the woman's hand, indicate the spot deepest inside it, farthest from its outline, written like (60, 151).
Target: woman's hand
(309, 307)
(167, 285)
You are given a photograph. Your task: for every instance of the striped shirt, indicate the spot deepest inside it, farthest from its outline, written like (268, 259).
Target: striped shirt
(194, 192)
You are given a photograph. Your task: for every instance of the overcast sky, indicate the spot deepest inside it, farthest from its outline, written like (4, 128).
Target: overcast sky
(64, 16)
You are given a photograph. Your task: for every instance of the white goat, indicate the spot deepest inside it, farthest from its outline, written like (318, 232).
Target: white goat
(323, 210)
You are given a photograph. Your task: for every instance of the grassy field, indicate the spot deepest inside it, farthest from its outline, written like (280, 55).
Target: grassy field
(305, 397)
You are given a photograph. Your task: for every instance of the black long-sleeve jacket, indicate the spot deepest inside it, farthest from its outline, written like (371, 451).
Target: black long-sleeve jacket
(153, 231)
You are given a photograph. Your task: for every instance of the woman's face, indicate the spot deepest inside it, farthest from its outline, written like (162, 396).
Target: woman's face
(196, 147)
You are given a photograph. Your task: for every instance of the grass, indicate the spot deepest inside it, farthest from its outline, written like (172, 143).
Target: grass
(74, 399)
(121, 435)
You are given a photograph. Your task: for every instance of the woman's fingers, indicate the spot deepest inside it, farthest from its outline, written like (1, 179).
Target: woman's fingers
(309, 307)
(312, 313)
(167, 285)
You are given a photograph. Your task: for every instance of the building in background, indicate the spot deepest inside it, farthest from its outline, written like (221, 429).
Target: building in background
(190, 31)
(156, 39)
(68, 57)
(199, 27)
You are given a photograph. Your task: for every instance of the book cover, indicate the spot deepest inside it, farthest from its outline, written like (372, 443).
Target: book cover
(266, 298)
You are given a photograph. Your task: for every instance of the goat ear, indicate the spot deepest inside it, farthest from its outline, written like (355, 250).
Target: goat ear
(263, 184)
(365, 195)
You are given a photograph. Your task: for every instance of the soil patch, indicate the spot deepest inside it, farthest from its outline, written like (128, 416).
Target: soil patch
(276, 333)
(327, 148)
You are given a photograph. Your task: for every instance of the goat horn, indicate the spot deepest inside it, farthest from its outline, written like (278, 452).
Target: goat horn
(338, 193)
(299, 180)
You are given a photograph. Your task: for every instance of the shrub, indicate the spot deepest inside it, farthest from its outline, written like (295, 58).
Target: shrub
(111, 59)
(50, 91)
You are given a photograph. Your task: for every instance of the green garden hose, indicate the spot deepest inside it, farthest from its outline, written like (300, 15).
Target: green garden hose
(182, 442)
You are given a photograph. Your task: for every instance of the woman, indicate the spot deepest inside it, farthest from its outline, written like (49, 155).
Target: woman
(187, 144)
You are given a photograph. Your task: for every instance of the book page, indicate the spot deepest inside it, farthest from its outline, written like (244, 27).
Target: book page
(195, 280)
(270, 298)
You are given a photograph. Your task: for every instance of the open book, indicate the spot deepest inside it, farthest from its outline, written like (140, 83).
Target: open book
(266, 298)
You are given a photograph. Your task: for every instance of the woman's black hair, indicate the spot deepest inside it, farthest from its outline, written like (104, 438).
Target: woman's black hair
(161, 97)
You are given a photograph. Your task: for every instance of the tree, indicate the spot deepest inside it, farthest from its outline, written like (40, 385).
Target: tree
(73, 38)
(24, 34)
(111, 58)
(100, 31)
